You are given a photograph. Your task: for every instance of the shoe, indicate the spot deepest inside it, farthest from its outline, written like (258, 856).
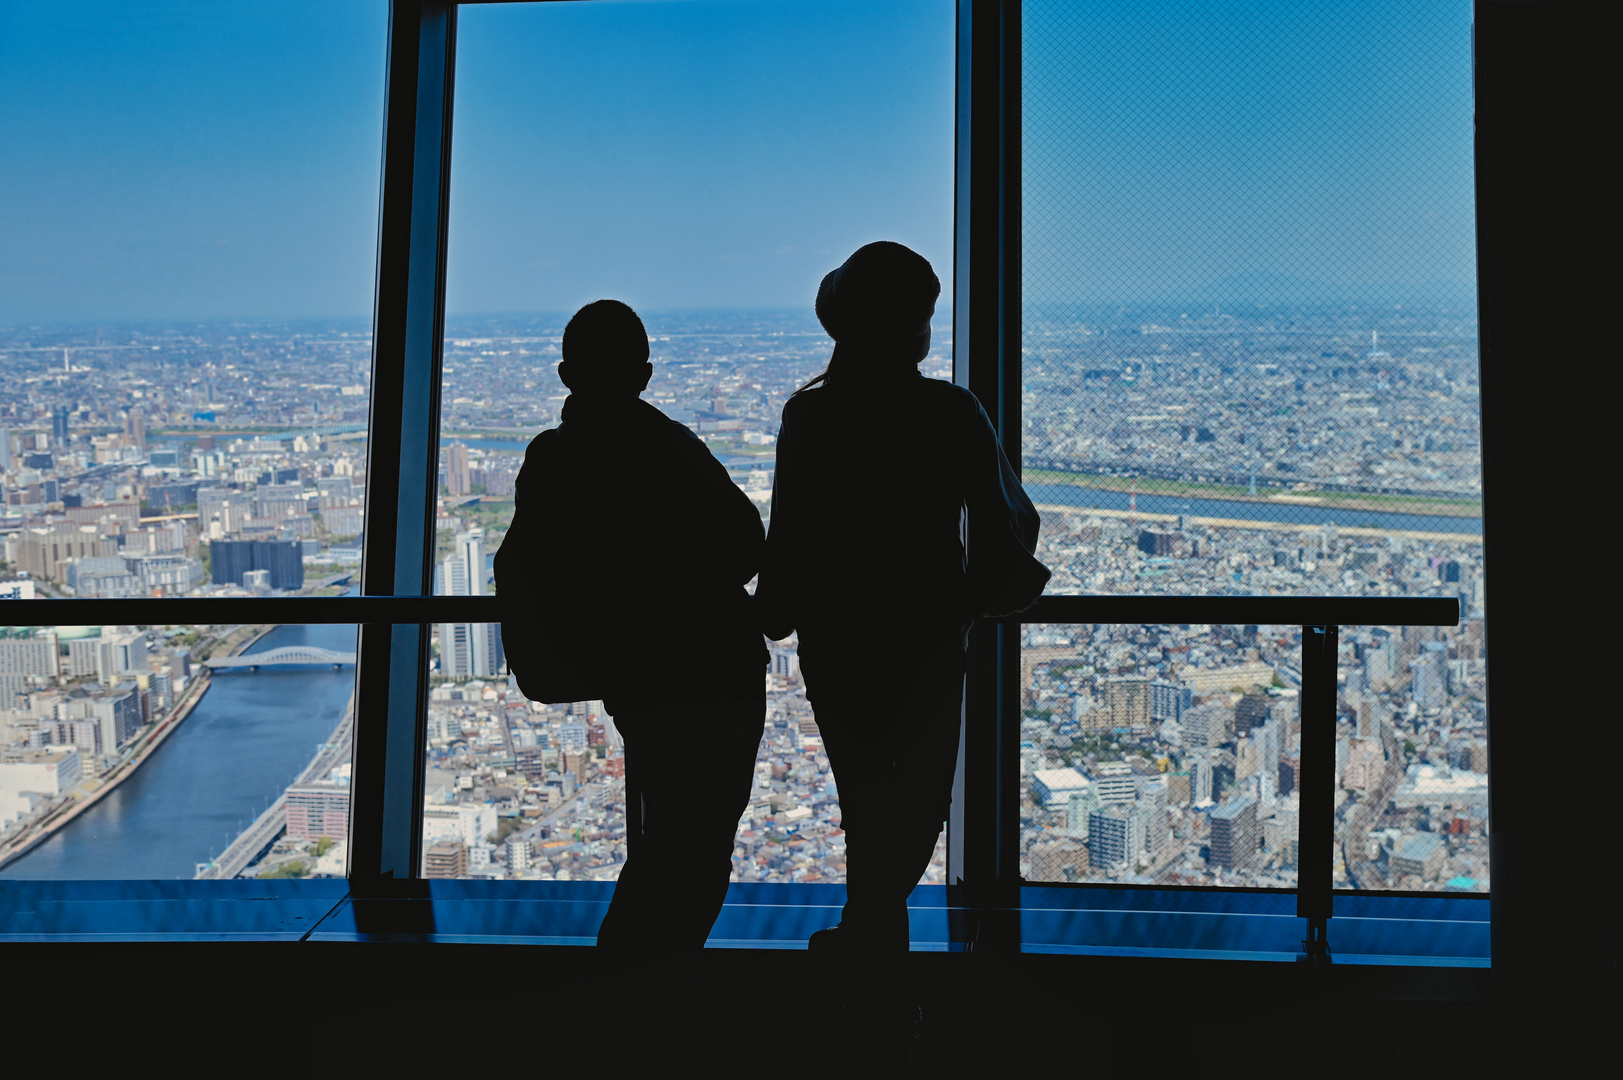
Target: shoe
(828, 940)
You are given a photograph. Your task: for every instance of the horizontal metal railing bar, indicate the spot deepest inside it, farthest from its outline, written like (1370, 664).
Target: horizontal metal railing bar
(1147, 610)
(1270, 610)
(217, 611)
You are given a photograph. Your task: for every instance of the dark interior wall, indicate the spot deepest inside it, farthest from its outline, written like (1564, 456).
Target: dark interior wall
(1547, 193)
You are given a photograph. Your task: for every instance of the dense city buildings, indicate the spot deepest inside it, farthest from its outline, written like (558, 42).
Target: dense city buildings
(1260, 451)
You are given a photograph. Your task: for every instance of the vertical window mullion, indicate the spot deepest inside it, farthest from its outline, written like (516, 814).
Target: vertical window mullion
(402, 450)
(983, 833)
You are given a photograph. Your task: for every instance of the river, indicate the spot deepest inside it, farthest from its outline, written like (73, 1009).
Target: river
(250, 736)
(1258, 509)
(1252, 510)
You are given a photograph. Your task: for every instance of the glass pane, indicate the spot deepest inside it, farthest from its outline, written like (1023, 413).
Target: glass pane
(744, 150)
(1160, 754)
(190, 211)
(1412, 759)
(520, 789)
(177, 752)
(190, 207)
(1250, 313)
(1250, 329)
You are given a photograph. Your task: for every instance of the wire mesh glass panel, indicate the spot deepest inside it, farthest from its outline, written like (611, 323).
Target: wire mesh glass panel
(1249, 273)
(1160, 754)
(179, 752)
(1412, 759)
(1250, 331)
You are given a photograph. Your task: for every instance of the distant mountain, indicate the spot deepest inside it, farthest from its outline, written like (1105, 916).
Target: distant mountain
(1262, 287)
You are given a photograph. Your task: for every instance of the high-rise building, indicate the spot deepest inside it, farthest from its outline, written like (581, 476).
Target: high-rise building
(531, 762)
(30, 652)
(1430, 669)
(83, 734)
(1234, 833)
(5, 449)
(230, 559)
(45, 553)
(1108, 838)
(1202, 763)
(1113, 783)
(518, 854)
(1252, 711)
(318, 810)
(117, 655)
(117, 711)
(447, 859)
(1366, 761)
(1127, 701)
(458, 480)
(1208, 724)
(1168, 701)
(469, 823)
(59, 426)
(135, 427)
(467, 649)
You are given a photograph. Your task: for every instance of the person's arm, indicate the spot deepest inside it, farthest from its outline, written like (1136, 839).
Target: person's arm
(734, 539)
(512, 568)
(773, 607)
(1003, 527)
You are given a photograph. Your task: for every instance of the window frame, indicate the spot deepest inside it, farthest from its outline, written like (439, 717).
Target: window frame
(396, 607)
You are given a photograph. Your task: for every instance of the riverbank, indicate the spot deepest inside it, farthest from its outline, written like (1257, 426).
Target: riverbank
(1407, 504)
(142, 750)
(1245, 523)
(145, 746)
(264, 831)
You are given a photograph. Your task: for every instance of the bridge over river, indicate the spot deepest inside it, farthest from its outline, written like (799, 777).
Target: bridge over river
(294, 654)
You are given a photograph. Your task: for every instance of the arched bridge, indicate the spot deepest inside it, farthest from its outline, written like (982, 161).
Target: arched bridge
(293, 654)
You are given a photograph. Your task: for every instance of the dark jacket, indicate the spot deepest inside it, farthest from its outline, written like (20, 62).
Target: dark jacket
(633, 547)
(878, 486)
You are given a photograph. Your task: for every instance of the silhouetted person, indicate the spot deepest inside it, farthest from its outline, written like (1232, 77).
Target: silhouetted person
(625, 568)
(878, 467)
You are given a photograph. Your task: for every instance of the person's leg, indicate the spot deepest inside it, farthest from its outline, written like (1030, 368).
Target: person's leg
(857, 749)
(631, 918)
(713, 765)
(680, 833)
(893, 750)
(926, 758)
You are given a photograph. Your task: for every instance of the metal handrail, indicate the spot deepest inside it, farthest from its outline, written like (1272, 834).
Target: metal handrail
(225, 610)
(398, 610)
(1320, 618)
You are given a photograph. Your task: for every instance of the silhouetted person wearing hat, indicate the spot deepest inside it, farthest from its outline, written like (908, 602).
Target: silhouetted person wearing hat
(623, 577)
(870, 566)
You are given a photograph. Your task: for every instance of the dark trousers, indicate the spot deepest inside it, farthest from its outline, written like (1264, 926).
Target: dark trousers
(891, 732)
(689, 767)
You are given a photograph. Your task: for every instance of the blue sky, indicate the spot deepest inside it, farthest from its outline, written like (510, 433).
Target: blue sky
(211, 160)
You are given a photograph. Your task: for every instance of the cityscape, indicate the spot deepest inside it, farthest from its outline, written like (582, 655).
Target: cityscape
(1235, 450)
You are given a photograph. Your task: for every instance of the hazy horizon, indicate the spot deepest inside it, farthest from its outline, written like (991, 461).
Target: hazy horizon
(174, 161)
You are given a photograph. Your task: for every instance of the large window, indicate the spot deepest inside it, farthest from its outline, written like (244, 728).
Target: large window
(707, 163)
(1250, 368)
(1236, 361)
(190, 206)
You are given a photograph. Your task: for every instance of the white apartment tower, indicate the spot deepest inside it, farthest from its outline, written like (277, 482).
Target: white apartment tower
(467, 649)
